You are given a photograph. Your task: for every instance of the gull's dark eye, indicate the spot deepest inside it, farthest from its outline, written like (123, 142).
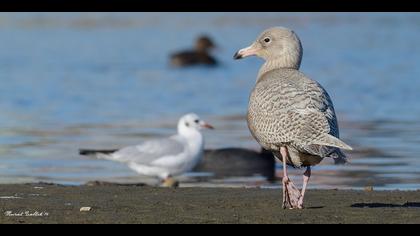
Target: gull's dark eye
(267, 40)
(187, 124)
(196, 121)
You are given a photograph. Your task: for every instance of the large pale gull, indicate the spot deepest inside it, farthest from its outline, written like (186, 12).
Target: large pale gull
(289, 113)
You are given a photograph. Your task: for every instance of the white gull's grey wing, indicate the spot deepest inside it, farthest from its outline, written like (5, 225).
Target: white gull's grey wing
(150, 151)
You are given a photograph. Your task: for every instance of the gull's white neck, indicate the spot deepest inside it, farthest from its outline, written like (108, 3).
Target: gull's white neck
(193, 137)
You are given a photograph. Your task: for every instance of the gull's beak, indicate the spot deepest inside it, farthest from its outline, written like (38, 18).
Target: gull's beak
(205, 125)
(245, 52)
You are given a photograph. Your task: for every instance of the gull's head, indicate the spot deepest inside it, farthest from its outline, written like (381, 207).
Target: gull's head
(275, 44)
(191, 122)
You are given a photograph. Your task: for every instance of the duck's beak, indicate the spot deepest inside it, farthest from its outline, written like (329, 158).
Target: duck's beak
(206, 125)
(245, 52)
(217, 48)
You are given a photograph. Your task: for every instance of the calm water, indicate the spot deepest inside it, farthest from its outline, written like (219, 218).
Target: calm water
(73, 80)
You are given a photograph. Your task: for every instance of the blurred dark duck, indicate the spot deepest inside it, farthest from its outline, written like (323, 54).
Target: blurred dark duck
(238, 162)
(200, 55)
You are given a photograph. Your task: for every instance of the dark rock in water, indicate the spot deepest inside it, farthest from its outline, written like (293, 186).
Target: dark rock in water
(230, 162)
(198, 56)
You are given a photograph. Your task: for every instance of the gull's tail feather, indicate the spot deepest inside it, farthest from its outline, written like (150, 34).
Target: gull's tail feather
(90, 152)
(329, 140)
(99, 154)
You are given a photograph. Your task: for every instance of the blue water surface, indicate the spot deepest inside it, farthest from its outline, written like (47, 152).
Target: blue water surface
(102, 80)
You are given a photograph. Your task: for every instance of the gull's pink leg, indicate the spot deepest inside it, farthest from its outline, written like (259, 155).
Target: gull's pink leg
(291, 194)
(306, 177)
(286, 200)
(169, 181)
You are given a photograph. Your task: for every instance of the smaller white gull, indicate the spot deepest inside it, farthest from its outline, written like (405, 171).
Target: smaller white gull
(164, 157)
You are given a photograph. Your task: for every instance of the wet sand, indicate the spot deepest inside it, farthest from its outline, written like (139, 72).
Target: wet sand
(43, 203)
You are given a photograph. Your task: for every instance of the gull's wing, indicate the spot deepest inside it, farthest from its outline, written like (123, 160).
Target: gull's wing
(150, 151)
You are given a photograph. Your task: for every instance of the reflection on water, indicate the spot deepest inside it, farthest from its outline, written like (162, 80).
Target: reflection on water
(102, 80)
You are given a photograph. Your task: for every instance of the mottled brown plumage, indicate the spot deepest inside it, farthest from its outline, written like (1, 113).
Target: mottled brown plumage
(288, 109)
(290, 114)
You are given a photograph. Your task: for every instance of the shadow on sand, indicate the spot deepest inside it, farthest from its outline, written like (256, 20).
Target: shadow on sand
(387, 205)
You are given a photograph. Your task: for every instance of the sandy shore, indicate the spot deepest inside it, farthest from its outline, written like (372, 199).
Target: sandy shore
(43, 203)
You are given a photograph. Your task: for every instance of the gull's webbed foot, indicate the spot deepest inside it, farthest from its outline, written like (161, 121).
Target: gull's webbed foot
(291, 194)
(170, 183)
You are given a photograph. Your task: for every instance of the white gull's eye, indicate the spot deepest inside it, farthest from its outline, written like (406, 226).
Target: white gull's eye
(267, 40)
